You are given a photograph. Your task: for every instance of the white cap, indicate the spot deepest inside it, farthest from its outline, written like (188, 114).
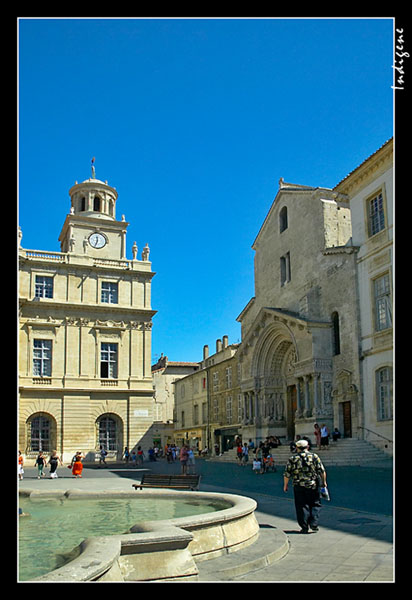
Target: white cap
(302, 443)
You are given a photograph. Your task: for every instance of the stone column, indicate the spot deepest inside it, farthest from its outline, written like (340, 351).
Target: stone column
(307, 410)
(298, 399)
(316, 392)
(245, 411)
(250, 411)
(256, 406)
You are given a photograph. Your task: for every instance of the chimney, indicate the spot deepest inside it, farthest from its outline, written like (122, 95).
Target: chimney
(225, 341)
(205, 352)
(218, 345)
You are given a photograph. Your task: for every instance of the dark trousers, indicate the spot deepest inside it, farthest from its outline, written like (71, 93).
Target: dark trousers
(307, 504)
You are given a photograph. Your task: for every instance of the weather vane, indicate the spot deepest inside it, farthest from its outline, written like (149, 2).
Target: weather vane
(93, 169)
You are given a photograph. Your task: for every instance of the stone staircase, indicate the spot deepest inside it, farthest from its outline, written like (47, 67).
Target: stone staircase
(344, 452)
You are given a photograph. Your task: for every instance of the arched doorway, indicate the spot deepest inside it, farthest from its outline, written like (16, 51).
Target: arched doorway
(273, 370)
(109, 433)
(41, 433)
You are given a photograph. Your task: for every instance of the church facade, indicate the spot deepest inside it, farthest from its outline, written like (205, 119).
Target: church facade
(85, 321)
(300, 331)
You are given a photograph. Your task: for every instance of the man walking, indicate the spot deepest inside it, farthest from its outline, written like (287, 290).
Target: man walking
(308, 476)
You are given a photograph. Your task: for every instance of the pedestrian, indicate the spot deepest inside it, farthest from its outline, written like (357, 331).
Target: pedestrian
(258, 465)
(77, 465)
(102, 455)
(317, 435)
(20, 465)
(184, 458)
(191, 461)
(126, 454)
(40, 464)
(54, 461)
(324, 437)
(239, 453)
(308, 476)
(245, 454)
(140, 456)
(134, 458)
(336, 435)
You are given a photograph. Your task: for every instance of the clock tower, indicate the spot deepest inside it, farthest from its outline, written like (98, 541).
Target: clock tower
(91, 227)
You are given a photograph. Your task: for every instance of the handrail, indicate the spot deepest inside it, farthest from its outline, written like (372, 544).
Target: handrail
(378, 434)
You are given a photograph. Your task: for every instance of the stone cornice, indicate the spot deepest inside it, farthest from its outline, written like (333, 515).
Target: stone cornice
(370, 168)
(77, 307)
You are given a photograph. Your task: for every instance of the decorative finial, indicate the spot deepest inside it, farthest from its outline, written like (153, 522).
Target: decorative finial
(93, 169)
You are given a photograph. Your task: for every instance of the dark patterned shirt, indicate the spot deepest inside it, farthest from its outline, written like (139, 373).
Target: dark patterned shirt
(303, 468)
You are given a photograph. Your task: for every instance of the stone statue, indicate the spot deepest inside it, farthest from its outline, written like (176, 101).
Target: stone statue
(145, 252)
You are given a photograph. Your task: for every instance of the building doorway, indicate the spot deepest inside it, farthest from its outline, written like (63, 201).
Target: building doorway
(346, 408)
(41, 433)
(291, 411)
(109, 435)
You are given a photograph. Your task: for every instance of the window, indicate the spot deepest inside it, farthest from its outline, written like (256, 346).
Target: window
(43, 287)
(107, 433)
(376, 215)
(215, 381)
(384, 393)
(239, 407)
(216, 409)
(195, 414)
(285, 273)
(283, 219)
(96, 204)
(204, 412)
(183, 418)
(108, 361)
(40, 434)
(383, 308)
(110, 292)
(229, 410)
(228, 378)
(83, 204)
(42, 354)
(335, 334)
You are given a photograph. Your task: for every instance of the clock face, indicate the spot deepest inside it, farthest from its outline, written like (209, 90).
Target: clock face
(97, 240)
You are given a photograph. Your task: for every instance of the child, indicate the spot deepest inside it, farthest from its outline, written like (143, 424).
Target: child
(20, 466)
(40, 463)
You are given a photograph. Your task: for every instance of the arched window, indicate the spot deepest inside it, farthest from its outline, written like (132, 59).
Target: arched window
(283, 219)
(335, 333)
(96, 204)
(384, 394)
(83, 204)
(41, 433)
(108, 433)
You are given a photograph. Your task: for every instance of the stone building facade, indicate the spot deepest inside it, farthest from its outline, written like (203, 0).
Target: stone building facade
(369, 189)
(165, 374)
(300, 331)
(85, 321)
(208, 402)
(317, 336)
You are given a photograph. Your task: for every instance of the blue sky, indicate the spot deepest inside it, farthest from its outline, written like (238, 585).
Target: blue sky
(194, 121)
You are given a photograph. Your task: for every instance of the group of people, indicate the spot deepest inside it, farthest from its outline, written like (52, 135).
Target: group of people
(54, 461)
(322, 436)
(262, 461)
(135, 457)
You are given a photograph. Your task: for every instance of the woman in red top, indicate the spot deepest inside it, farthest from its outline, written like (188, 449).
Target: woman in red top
(77, 466)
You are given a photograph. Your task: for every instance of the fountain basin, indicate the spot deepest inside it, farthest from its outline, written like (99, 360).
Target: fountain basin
(162, 550)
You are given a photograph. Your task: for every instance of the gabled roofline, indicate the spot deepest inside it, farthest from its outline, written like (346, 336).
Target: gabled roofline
(284, 188)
